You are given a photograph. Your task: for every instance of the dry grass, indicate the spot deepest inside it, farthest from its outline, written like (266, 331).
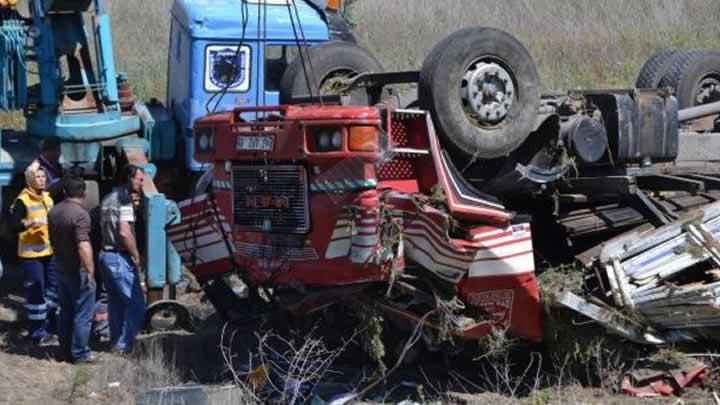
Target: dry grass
(140, 35)
(119, 379)
(583, 43)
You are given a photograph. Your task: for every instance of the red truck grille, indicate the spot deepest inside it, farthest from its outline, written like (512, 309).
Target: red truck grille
(271, 198)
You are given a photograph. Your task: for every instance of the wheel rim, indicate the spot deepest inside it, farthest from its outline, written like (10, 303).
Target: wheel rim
(708, 89)
(163, 316)
(335, 81)
(164, 320)
(488, 92)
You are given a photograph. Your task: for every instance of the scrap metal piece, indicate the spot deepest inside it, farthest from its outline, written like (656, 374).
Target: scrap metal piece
(642, 270)
(664, 383)
(615, 323)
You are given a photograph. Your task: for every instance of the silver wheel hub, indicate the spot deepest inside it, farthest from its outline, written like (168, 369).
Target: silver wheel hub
(489, 93)
(709, 91)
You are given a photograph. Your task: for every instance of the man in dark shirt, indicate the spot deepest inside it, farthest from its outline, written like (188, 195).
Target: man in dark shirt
(70, 238)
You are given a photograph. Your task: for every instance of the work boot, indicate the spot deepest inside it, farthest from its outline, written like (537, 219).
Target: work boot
(48, 340)
(89, 359)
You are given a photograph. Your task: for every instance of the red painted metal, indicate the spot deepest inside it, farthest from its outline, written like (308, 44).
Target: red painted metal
(488, 258)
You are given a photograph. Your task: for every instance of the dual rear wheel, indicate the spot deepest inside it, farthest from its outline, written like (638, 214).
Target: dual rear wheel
(693, 75)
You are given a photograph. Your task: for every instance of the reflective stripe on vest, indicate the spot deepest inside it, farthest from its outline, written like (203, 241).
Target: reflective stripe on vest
(35, 241)
(35, 207)
(38, 247)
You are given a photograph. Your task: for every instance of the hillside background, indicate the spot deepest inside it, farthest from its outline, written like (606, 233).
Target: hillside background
(576, 43)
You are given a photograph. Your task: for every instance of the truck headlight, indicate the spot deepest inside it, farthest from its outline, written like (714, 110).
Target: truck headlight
(204, 138)
(328, 139)
(336, 139)
(324, 141)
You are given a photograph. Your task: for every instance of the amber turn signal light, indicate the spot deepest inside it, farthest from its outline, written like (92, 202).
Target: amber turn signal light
(333, 5)
(363, 139)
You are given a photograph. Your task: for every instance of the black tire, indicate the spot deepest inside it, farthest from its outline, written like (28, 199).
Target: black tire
(323, 62)
(654, 69)
(424, 95)
(691, 73)
(443, 77)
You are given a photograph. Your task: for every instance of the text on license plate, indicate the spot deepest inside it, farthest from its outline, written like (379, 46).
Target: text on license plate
(264, 143)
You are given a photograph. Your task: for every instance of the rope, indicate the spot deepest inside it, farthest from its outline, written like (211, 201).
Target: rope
(304, 41)
(307, 68)
(262, 33)
(245, 19)
(12, 63)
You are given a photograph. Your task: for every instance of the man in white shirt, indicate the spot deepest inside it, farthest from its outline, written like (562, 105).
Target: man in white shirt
(120, 261)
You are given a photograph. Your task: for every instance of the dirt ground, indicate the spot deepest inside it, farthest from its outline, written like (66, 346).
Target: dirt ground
(31, 375)
(34, 375)
(28, 375)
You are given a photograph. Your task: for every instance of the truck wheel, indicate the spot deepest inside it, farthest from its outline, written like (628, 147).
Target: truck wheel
(654, 69)
(695, 76)
(325, 62)
(482, 89)
(166, 315)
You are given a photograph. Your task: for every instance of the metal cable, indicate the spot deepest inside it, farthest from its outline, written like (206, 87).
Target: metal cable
(300, 49)
(261, 8)
(304, 41)
(221, 94)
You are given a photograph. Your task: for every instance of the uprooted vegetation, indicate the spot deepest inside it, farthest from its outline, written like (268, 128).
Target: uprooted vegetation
(358, 353)
(276, 362)
(577, 360)
(283, 370)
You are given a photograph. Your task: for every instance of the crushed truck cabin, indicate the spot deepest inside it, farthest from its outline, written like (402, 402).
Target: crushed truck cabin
(439, 208)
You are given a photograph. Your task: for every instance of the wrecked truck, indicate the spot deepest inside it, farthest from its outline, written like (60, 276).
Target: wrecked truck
(436, 207)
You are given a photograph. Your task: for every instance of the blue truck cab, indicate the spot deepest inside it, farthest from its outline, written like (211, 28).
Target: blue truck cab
(232, 53)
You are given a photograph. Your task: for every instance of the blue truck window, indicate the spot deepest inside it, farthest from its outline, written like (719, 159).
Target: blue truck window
(226, 67)
(277, 58)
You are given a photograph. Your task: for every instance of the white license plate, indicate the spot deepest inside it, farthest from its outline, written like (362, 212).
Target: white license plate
(262, 143)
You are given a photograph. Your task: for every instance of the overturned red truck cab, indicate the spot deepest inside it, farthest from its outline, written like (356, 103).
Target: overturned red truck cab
(342, 203)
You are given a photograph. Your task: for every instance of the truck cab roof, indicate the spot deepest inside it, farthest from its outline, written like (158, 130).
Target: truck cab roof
(222, 19)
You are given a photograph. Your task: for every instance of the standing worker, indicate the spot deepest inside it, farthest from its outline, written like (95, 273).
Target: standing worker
(49, 160)
(29, 218)
(70, 231)
(120, 260)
